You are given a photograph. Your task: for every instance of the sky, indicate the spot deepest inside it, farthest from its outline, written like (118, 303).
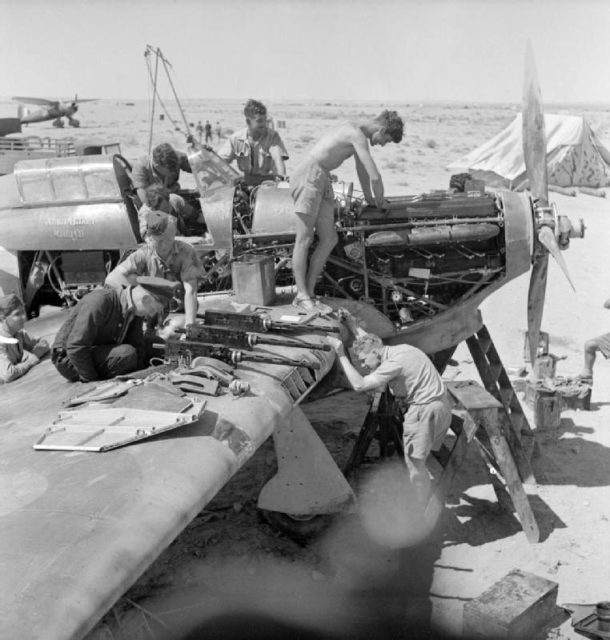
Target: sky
(393, 50)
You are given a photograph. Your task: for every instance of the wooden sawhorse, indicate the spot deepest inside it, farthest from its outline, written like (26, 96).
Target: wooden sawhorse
(476, 418)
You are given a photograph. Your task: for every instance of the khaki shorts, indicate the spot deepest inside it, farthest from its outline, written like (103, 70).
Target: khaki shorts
(311, 188)
(603, 343)
(425, 427)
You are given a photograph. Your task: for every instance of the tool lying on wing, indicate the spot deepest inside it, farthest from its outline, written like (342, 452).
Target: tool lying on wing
(258, 323)
(104, 391)
(194, 384)
(182, 351)
(231, 337)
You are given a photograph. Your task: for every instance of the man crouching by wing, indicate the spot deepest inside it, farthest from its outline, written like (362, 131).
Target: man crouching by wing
(414, 381)
(311, 190)
(103, 335)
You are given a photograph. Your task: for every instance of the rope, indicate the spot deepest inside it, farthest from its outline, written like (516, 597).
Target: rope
(156, 96)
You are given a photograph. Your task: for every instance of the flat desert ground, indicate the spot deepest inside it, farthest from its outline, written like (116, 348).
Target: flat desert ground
(227, 558)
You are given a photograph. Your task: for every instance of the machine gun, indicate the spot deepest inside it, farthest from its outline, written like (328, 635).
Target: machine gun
(230, 337)
(179, 351)
(258, 323)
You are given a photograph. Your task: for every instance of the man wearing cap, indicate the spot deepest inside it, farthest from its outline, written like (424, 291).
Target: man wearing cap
(103, 337)
(19, 351)
(162, 256)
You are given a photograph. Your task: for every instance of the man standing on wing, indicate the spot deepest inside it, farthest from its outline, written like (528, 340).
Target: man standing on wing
(414, 381)
(311, 190)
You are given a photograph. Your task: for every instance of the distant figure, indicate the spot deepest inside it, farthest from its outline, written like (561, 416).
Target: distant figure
(417, 385)
(312, 192)
(103, 336)
(199, 130)
(163, 257)
(592, 346)
(208, 132)
(259, 151)
(218, 131)
(162, 168)
(19, 351)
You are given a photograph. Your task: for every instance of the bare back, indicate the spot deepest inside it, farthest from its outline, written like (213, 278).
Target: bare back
(335, 146)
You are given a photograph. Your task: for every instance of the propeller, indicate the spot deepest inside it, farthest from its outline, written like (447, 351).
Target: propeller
(534, 153)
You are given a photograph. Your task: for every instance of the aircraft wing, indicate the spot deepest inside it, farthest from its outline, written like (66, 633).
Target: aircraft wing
(43, 102)
(78, 528)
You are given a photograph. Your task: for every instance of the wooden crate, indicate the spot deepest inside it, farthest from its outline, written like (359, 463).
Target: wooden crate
(516, 607)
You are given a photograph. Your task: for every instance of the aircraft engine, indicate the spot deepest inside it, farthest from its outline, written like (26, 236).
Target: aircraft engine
(418, 256)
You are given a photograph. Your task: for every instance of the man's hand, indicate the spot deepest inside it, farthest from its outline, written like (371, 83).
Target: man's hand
(170, 326)
(336, 344)
(41, 349)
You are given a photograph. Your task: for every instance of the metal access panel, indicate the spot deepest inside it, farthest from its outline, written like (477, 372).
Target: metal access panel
(94, 429)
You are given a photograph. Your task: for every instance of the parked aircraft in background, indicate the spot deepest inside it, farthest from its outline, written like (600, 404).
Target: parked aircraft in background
(50, 110)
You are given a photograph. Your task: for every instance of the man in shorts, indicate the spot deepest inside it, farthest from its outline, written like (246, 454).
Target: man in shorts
(312, 192)
(601, 344)
(414, 381)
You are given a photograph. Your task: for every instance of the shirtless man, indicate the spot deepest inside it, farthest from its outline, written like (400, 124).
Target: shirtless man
(312, 192)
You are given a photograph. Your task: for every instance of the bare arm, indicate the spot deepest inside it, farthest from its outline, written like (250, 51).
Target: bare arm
(365, 181)
(280, 165)
(190, 301)
(363, 156)
(120, 277)
(358, 382)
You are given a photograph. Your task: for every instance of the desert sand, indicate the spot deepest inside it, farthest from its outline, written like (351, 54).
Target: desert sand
(228, 557)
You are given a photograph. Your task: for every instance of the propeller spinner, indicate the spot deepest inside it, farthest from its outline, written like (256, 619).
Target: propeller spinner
(549, 227)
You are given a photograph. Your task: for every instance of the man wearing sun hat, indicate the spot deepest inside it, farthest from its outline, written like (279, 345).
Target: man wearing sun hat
(19, 351)
(103, 336)
(162, 256)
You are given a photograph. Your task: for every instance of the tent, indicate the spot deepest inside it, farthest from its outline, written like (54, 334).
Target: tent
(575, 156)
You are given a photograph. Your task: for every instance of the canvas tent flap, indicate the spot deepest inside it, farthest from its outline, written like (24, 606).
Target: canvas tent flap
(575, 156)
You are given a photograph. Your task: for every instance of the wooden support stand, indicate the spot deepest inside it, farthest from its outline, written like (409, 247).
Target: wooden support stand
(483, 424)
(382, 421)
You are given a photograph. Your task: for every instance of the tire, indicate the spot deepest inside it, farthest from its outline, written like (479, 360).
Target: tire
(300, 529)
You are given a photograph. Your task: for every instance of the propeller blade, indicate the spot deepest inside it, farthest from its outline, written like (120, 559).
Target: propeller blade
(535, 301)
(534, 135)
(548, 240)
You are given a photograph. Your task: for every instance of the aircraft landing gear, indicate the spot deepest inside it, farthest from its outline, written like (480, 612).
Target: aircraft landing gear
(73, 122)
(59, 123)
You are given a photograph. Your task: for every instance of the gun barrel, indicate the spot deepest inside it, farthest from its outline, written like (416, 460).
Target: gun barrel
(258, 323)
(193, 348)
